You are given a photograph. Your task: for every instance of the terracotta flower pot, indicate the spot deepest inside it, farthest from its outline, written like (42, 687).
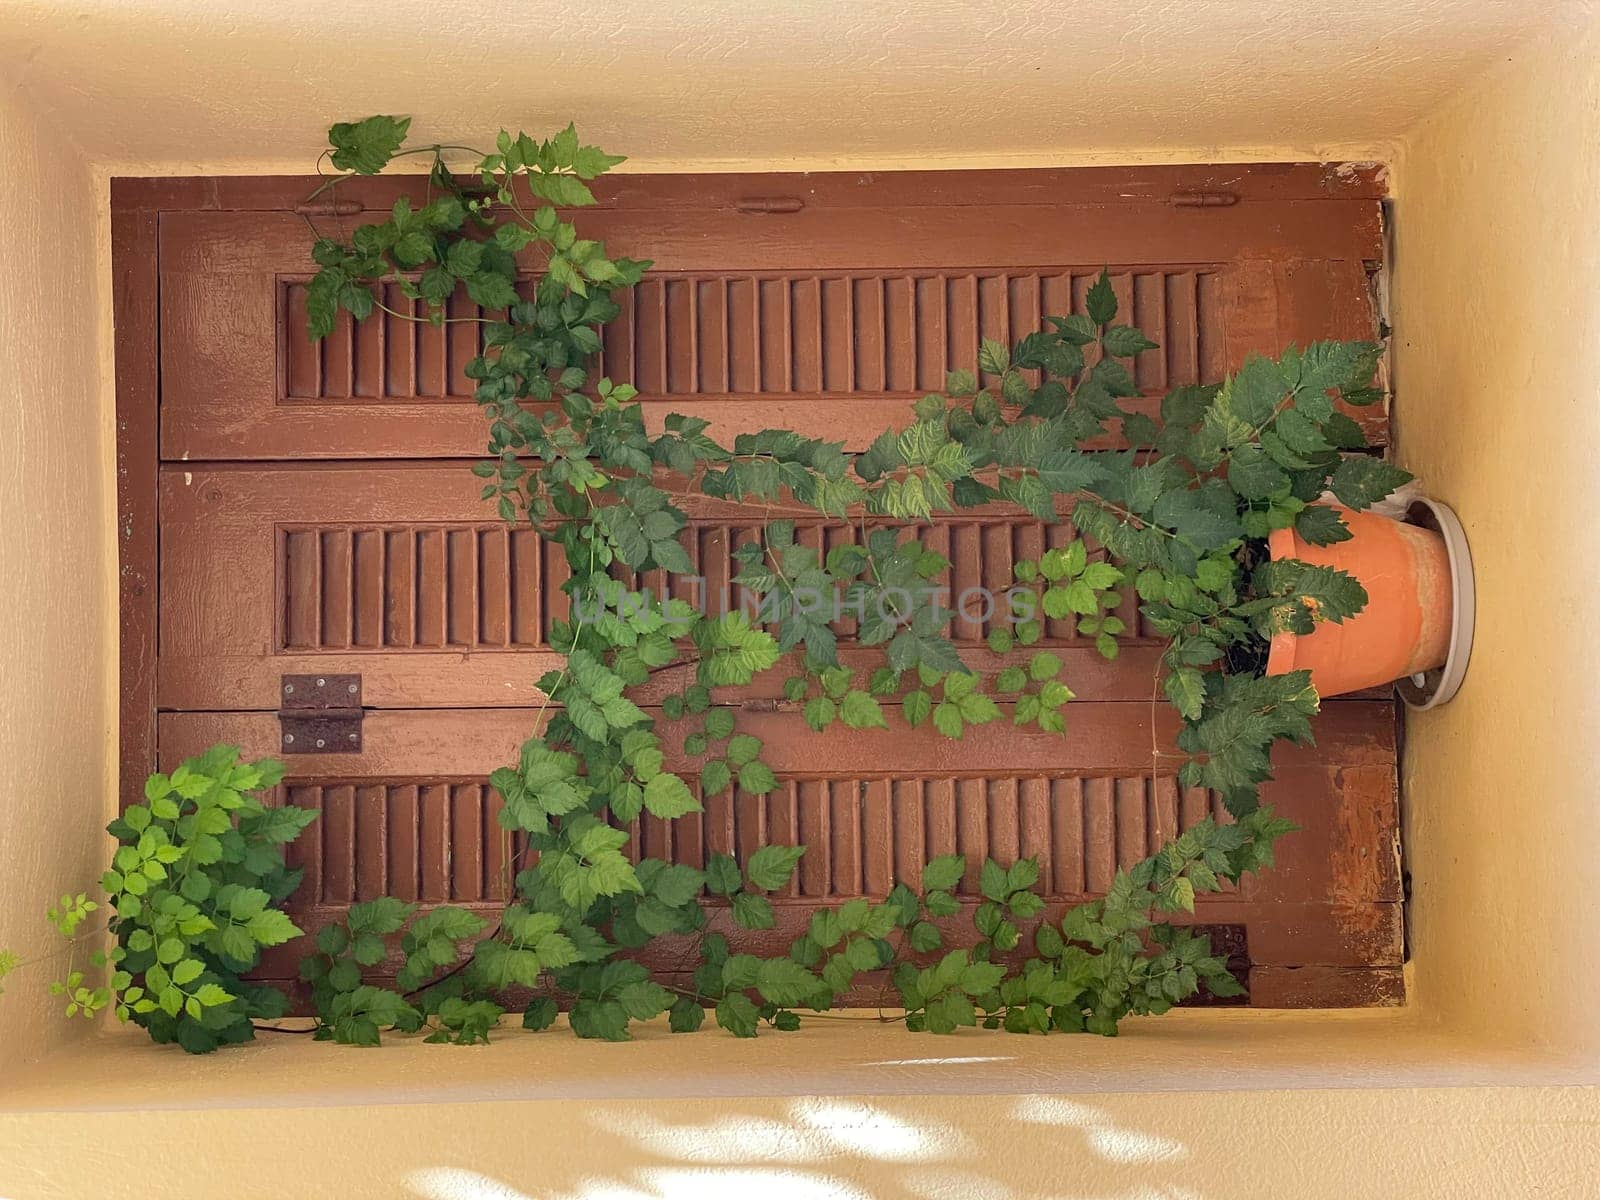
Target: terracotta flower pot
(1404, 629)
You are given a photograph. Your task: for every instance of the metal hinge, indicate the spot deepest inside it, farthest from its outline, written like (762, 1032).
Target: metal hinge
(1203, 199)
(320, 714)
(770, 204)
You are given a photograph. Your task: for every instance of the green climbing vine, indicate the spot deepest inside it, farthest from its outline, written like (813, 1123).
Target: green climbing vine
(572, 456)
(1182, 522)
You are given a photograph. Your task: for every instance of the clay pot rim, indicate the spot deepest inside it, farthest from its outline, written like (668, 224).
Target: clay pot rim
(1435, 687)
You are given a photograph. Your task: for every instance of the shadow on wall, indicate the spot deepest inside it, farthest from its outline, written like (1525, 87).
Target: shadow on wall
(844, 1149)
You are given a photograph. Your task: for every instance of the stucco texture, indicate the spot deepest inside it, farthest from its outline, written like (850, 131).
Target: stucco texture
(1181, 1145)
(1497, 369)
(694, 84)
(1483, 1085)
(57, 649)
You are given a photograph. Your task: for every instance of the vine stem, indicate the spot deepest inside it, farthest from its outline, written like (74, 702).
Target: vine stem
(382, 307)
(512, 859)
(69, 947)
(332, 181)
(881, 1018)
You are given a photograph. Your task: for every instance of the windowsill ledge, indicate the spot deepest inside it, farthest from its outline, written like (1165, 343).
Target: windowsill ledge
(1195, 1050)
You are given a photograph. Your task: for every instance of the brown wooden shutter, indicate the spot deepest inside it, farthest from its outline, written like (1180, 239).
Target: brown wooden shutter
(317, 517)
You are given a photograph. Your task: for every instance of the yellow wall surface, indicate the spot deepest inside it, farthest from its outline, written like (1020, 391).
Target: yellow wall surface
(1420, 1144)
(57, 651)
(1497, 372)
(1495, 364)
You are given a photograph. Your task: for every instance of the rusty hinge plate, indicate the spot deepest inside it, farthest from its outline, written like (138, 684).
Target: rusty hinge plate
(770, 204)
(320, 714)
(1203, 199)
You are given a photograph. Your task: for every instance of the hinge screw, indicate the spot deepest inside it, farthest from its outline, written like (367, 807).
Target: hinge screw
(352, 737)
(321, 743)
(322, 683)
(288, 689)
(288, 739)
(351, 689)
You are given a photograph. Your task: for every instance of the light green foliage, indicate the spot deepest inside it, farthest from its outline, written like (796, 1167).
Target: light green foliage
(71, 912)
(191, 897)
(1065, 585)
(1182, 526)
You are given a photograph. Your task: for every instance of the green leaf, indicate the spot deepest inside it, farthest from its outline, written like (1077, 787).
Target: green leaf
(916, 707)
(1253, 395)
(947, 719)
(737, 1014)
(861, 711)
(714, 777)
(1186, 690)
(643, 1000)
(960, 383)
(1124, 341)
(1254, 475)
(943, 873)
(1323, 592)
(770, 867)
(384, 915)
(282, 824)
(993, 357)
(1101, 301)
(757, 779)
(980, 977)
(743, 748)
(540, 1014)
(722, 875)
(687, 1016)
(272, 928)
(752, 911)
(590, 161)
(992, 880)
(668, 796)
(211, 995)
(1320, 525)
(1360, 482)
(564, 191)
(1043, 666)
(366, 146)
(1010, 680)
(820, 712)
(784, 981)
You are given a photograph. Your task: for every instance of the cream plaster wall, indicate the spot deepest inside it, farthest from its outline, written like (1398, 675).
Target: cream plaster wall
(795, 84)
(1423, 1144)
(1497, 370)
(57, 646)
(1192, 1106)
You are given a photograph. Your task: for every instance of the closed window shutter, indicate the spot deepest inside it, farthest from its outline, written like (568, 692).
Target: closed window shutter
(316, 517)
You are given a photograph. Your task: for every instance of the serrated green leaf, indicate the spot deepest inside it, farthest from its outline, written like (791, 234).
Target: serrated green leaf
(770, 867)
(860, 711)
(668, 796)
(1360, 482)
(366, 146)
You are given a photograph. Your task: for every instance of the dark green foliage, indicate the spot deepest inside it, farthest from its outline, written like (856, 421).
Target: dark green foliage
(1184, 528)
